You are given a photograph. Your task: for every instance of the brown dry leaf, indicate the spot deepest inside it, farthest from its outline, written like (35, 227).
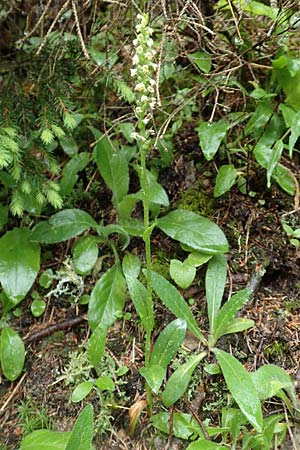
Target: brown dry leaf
(134, 413)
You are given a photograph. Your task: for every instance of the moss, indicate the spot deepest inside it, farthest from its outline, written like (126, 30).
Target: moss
(276, 349)
(161, 263)
(195, 200)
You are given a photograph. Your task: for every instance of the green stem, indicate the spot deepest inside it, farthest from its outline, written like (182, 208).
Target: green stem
(147, 241)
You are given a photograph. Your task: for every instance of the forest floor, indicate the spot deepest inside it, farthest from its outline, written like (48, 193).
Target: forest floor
(260, 253)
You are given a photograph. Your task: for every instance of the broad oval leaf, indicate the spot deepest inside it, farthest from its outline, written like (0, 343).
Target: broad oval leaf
(63, 226)
(107, 298)
(203, 444)
(12, 353)
(131, 266)
(225, 179)
(182, 273)
(178, 382)
(172, 299)
(113, 167)
(239, 324)
(19, 263)
(105, 383)
(168, 342)
(85, 254)
(184, 425)
(81, 391)
(45, 440)
(270, 379)
(242, 388)
(37, 307)
(69, 145)
(215, 280)
(154, 376)
(193, 230)
(210, 136)
(202, 61)
(82, 433)
(69, 173)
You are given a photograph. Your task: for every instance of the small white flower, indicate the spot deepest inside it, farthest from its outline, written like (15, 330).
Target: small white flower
(150, 42)
(138, 28)
(144, 98)
(135, 60)
(146, 120)
(133, 72)
(140, 87)
(154, 65)
(145, 69)
(152, 104)
(148, 56)
(135, 42)
(138, 110)
(150, 31)
(152, 82)
(150, 89)
(139, 50)
(134, 135)
(140, 17)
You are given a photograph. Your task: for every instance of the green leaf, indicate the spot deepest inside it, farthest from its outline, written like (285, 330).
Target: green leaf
(63, 226)
(215, 280)
(295, 133)
(228, 311)
(82, 433)
(19, 263)
(259, 9)
(197, 259)
(157, 194)
(239, 324)
(69, 173)
(81, 391)
(172, 299)
(85, 254)
(154, 376)
(202, 61)
(46, 278)
(113, 167)
(210, 137)
(203, 444)
(259, 118)
(184, 425)
(225, 179)
(275, 157)
(105, 383)
(178, 382)
(131, 266)
(168, 342)
(96, 345)
(107, 298)
(195, 231)
(242, 388)
(139, 296)
(270, 379)
(69, 145)
(182, 273)
(38, 307)
(12, 353)
(284, 177)
(45, 440)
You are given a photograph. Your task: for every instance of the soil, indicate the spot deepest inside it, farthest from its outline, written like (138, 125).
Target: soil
(260, 253)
